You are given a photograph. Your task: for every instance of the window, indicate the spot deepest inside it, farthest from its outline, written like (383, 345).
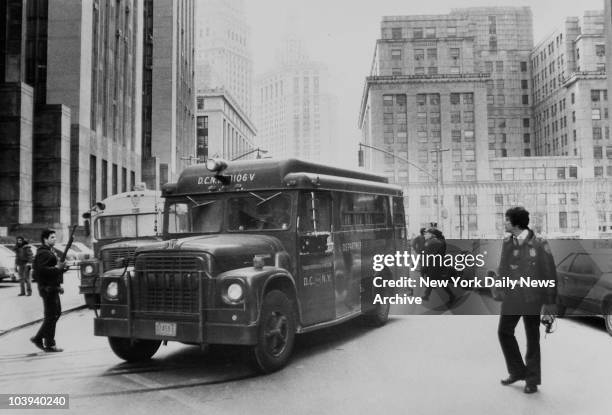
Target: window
(396, 33)
(419, 54)
(525, 99)
(488, 66)
(455, 53)
(388, 100)
(455, 117)
(598, 171)
(524, 84)
(562, 220)
(456, 155)
(468, 116)
(596, 133)
(526, 138)
(497, 174)
(527, 152)
(388, 118)
(597, 152)
(560, 172)
(432, 70)
(396, 54)
(562, 199)
(468, 155)
(430, 32)
(609, 152)
(451, 31)
(600, 50)
(434, 99)
(432, 53)
(468, 135)
(499, 66)
(456, 136)
(523, 66)
(526, 122)
(417, 33)
(595, 95)
(468, 98)
(455, 99)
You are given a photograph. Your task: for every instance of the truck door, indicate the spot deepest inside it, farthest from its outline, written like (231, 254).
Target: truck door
(315, 251)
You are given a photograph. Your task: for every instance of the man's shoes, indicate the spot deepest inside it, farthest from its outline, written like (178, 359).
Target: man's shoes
(530, 388)
(38, 343)
(53, 349)
(511, 379)
(20, 295)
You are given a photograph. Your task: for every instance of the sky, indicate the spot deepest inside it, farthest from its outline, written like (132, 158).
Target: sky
(343, 33)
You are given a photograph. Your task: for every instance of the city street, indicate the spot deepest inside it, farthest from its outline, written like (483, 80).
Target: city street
(416, 364)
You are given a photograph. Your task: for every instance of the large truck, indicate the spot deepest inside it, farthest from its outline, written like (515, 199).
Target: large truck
(119, 224)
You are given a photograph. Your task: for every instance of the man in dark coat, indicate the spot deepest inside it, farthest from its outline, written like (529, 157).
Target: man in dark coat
(524, 254)
(49, 276)
(418, 243)
(435, 249)
(23, 263)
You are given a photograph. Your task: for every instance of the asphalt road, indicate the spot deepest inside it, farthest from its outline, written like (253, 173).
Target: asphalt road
(416, 364)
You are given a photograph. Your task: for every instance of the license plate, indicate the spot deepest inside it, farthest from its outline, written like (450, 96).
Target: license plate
(165, 329)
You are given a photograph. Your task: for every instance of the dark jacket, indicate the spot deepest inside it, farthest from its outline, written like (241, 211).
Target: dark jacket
(418, 244)
(531, 258)
(23, 254)
(45, 270)
(435, 268)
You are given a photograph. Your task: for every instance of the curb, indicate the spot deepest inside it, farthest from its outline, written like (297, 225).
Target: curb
(31, 323)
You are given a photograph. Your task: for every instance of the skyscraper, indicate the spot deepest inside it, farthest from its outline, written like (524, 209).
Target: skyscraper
(70, 81)
(223, 50)
(294, 106)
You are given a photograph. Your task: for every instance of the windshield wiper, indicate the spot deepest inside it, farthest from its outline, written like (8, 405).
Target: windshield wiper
(206, 203)
(268, 199)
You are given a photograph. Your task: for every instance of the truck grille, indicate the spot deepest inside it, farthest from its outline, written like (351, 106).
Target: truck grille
(167, 284)
(109, 256)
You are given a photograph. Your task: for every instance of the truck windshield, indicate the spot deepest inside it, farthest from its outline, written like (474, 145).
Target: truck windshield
(189, 215)
(125, 226)
(257, 211)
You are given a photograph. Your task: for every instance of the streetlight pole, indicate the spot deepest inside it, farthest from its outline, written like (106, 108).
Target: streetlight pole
(436, 178)
(258, 150)
(438, 152)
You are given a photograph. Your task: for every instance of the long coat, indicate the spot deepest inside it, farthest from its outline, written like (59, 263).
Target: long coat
(435, 269)
(45, 270)
(530, 258)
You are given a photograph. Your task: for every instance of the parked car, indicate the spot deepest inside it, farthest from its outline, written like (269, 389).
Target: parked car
(7, 264)
(585, 285)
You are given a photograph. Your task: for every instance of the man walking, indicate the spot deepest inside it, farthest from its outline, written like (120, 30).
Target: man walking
(23, 263)
(524, 255)
(49, 275)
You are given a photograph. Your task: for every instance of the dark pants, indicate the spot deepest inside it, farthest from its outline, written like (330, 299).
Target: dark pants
(24, 278)
(53, 310)
(530, 370)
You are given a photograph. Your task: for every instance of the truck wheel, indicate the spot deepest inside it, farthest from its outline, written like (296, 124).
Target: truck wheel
(276, 333)
(607, 315)
(379, 315)
(133, 350)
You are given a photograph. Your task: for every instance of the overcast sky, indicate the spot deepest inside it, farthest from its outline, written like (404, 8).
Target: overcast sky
(342, 34)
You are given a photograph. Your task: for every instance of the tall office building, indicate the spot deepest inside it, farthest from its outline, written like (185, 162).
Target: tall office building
(70, 83)
(456, 94)
(223, 50)
(169, 95)
(294, 106)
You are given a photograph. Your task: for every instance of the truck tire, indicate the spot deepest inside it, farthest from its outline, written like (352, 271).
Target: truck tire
(607, 315)
(133, 350)
(379, 315)
(275, 334)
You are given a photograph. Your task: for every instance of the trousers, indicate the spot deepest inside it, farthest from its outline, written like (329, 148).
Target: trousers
(530, 369)
(53, 310)
(25, 281)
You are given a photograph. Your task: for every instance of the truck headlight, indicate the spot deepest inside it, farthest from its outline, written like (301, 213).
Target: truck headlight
(235, 292)
(89, 269)
(112, 290)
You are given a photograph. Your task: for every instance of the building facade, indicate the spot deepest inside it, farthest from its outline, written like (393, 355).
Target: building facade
(223, 50)
(295, 110)
(223, 129)
(71, 124)
(462, 99)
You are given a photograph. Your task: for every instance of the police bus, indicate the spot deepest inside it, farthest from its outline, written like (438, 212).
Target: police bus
(119, 224)
(254, 252)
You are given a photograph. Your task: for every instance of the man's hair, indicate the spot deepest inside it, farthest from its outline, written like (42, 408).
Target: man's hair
(46, 234)
(518, 216)
(422, 231)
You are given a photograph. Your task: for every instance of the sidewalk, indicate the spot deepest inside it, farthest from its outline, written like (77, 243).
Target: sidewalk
(18, 311)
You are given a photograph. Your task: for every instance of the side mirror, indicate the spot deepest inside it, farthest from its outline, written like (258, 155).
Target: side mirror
(100, 206)
(86, 215)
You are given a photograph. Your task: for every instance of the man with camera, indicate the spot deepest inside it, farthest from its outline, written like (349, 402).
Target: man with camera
(525, 254)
